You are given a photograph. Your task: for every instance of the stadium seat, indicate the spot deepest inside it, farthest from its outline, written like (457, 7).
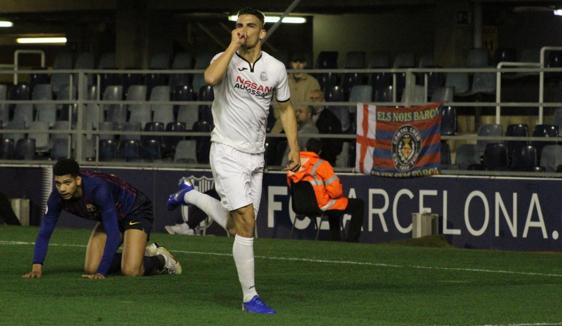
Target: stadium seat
(182, 60)
(327, 60)
(107, 126)
(557, 119)
(7, 149)
(206, 94)
(185, 152)
(458, 81)
(551, 157)
(304, 204)
(361, 94)
(186, 113)
(203, 142)
(152, 150)
(133, 127)
(448, 120)
(108, 150)
(92, 115)
(25, 149)
(442, 94)
(353, 60)
(543, 130)
(154, 126)
(15, 125)
(467, 156)
(516, 130)
(60, 149)
(23, 112)
(42, 143)
(426, 61)
(202, 61)
(495, 156)
(170, 142)
(138, 112)
(131, 150)
(505, 55)
(46, 112)
(489, 129)
(4, 108)
(159, 61)
(63, 61)
(379, 60)
(335, 94)
(115, 112)
(65, 110)
(524, 159)
(162, 112)
(60, 125)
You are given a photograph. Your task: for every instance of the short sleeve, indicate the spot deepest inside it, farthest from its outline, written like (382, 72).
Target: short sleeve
(282, 91)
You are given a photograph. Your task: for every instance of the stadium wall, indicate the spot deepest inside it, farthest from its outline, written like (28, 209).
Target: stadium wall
(475, 212)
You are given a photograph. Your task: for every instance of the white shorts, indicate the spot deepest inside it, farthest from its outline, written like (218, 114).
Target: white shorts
(238, 176)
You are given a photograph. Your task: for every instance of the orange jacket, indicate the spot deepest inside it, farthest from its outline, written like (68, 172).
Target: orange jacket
(326, 184)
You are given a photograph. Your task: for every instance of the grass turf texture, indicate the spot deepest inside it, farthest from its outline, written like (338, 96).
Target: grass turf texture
(308, 282)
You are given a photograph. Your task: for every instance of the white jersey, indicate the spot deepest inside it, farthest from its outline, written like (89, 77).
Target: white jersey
(242, 101)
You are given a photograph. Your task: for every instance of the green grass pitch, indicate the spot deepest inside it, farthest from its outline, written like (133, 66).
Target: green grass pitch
(308, 282)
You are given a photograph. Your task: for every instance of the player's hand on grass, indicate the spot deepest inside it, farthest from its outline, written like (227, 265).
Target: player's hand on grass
(96, 276)
(36, 271)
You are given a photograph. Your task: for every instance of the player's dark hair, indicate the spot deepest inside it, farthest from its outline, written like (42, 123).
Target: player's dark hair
(66, 166)
(314, 145)
(253, 12)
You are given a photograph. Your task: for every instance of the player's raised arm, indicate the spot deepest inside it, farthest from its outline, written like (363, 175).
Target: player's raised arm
(217, 69)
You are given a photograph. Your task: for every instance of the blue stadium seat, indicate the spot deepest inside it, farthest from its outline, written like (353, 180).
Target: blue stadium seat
(495, 156)
(524, 159)
(543, 130)
(107, 126)
(154, 126)
(152, 150)
(108, 150)
(336, 94)
(7, 149)
(131, 150)
(516, 130)
(170, 142)
(42, 142)
(63, 61)
(133, 127)
(448, 120)
(327, 60)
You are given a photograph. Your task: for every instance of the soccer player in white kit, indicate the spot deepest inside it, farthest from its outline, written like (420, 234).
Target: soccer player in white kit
(245, 79)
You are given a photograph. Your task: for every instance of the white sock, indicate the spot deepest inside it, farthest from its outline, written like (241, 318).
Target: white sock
(243, 253)
(211, 206)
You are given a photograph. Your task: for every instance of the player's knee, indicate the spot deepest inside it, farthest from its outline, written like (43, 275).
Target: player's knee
(128, 270)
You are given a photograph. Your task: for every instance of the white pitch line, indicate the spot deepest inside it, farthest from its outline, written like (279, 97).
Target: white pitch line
(524, 324)
(337, 262)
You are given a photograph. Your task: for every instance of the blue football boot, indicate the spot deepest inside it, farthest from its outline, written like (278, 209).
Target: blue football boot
(176, 199)
(257, 306)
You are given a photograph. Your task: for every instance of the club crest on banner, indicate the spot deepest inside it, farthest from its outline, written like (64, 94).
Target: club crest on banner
(406, 148)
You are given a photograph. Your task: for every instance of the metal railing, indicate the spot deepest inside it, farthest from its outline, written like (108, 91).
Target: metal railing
(78, 104)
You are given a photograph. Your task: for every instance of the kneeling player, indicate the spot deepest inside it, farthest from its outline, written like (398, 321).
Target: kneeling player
(124, 215)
